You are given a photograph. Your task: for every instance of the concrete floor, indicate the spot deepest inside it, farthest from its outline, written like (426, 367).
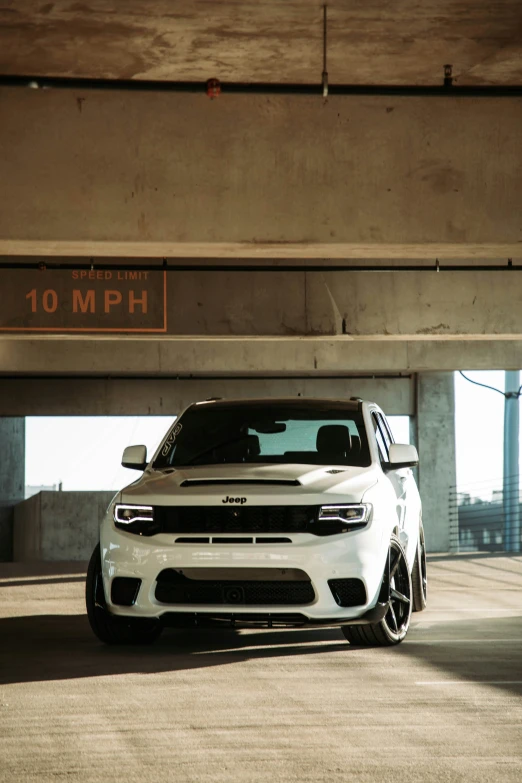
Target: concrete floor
(264, 705)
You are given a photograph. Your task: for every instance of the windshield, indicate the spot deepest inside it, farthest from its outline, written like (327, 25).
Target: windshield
(254, 433)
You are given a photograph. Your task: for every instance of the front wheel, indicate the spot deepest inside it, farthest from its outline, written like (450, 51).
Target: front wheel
(108, 627)
(396, 590)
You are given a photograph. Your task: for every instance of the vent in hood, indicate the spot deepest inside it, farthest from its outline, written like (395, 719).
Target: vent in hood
(235, 482)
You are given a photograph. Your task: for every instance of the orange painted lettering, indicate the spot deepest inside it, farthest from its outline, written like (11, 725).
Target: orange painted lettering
(112, 298)
(134, 301)
(83, 304)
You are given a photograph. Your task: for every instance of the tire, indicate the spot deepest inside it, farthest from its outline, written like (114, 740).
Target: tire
(109, 628)
(419, 577)
(397, 591)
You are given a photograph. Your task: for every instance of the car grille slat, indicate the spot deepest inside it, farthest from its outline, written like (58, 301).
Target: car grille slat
(230, 519)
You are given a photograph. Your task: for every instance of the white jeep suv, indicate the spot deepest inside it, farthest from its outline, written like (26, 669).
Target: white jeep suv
(287, 512)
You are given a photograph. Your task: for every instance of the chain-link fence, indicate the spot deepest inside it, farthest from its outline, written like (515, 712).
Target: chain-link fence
(485, 517)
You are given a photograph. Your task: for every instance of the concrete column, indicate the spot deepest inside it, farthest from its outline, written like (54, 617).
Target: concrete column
(436, 445)
(12, 478)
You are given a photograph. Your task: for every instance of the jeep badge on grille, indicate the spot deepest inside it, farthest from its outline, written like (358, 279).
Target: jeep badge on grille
(234, 500)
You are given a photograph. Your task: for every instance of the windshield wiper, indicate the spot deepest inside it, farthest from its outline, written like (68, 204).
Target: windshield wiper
(218, 445)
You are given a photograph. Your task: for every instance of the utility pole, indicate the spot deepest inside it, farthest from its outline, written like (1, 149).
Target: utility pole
(511, 462)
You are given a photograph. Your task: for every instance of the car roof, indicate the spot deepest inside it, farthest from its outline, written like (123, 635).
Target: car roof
(309, 403)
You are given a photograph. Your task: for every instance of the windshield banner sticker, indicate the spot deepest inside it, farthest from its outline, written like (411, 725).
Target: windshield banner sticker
(171, 439)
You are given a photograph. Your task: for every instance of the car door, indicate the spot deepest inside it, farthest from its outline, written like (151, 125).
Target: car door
(407, 492)
(397, 478)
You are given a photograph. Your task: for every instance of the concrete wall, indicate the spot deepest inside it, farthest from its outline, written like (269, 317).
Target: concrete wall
(58, 525)
(12, 478)
(153, 174)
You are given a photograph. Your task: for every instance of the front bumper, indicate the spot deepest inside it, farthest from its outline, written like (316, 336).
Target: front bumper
(269, 619)
(358, 554)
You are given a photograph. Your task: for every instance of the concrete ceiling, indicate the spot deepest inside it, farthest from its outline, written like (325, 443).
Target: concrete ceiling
(371, 42)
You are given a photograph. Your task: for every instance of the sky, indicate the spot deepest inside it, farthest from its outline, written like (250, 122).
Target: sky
(84, 453)
(479, 432)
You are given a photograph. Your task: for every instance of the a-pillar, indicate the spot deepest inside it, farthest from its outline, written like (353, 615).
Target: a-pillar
(12, 479)
(436, 446)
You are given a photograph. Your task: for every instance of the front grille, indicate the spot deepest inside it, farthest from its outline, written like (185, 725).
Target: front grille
(175, 589)
(231, 519)
(348, 592)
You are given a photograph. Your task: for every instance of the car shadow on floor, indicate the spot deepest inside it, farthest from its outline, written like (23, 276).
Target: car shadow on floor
(484, 649)
(56, 647)
(59, 580)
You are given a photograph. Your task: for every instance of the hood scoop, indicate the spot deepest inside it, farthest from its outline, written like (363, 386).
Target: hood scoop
(235, 482)
(336, 470)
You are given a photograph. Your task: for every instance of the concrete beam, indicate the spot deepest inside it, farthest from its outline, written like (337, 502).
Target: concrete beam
(179, 174)
(286, 303)
(262, 356)
(139, 397)
(260, 250)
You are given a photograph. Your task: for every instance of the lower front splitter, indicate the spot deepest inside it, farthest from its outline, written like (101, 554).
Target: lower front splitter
(268, 619)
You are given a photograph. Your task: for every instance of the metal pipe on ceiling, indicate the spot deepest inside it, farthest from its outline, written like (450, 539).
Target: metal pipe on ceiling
(260, 88)
(92, 264)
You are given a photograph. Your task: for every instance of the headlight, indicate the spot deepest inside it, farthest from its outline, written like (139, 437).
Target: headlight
(128, 514)
(341, 518)
(135, 519)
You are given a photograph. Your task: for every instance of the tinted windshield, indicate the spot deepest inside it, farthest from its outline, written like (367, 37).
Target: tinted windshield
(266, 433)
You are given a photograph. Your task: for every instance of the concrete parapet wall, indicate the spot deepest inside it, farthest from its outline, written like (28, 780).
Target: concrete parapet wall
(58, 525)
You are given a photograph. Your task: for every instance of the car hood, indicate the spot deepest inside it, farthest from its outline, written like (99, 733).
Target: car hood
(259, 484)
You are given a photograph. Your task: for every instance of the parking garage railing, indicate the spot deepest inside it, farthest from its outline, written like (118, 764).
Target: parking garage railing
(485, 517)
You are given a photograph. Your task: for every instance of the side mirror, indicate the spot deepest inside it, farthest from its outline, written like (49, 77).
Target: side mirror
(402, 455)
(135, 457)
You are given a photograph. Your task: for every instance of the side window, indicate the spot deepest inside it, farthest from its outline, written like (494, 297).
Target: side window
(383, 426)
(381, 442)
(387, 428)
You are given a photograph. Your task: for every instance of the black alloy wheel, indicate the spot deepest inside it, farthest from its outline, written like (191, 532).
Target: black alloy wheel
(109, 628)
(419, 574)
(397, 618)
(396, 592)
